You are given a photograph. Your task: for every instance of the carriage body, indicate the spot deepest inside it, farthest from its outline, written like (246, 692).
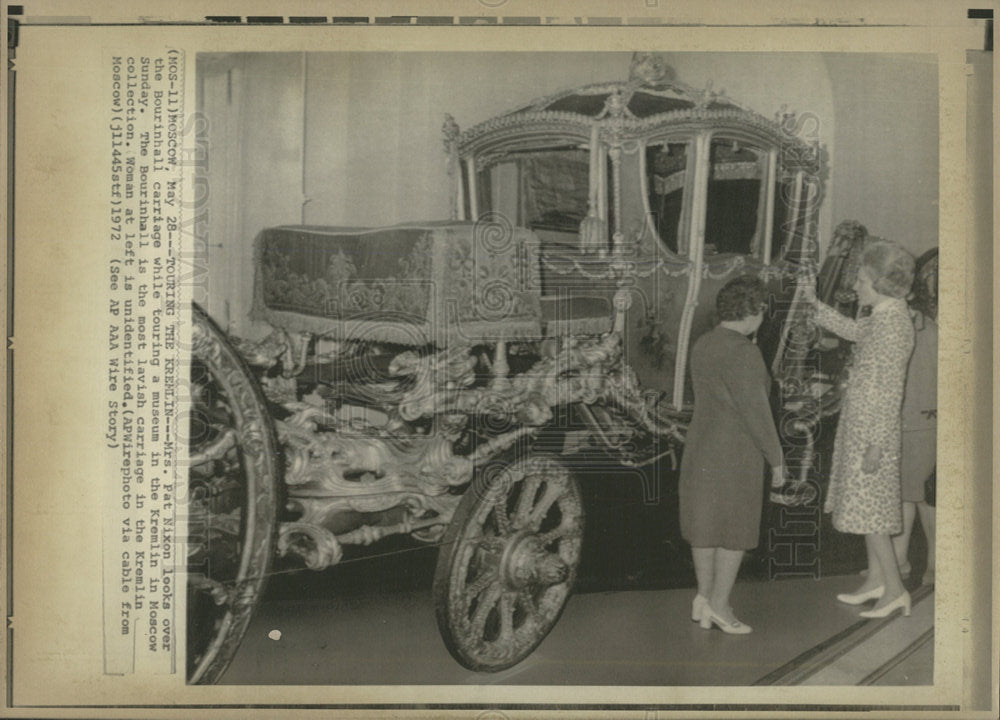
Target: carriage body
(656, 191)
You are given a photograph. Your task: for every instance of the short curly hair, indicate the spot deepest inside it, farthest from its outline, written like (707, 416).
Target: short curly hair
(890, 265)
(740, 298)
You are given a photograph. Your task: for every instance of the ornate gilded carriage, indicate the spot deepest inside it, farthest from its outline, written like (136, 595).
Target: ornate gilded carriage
(431, 380)
(653, 190)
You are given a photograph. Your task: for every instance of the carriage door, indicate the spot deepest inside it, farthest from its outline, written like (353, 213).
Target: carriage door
(732, 231)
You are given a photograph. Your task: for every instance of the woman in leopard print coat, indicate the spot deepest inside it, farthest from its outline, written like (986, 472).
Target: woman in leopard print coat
(864, 493)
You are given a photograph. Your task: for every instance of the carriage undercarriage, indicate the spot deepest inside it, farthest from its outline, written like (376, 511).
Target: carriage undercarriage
(367, 440)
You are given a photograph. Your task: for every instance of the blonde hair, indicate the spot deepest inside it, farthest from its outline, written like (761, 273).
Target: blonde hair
(890, 265)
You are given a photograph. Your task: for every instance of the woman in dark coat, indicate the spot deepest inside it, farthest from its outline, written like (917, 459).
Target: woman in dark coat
(732, 433)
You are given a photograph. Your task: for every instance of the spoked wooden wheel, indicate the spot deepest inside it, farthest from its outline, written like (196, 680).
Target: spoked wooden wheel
(508, 562)
(233, 492)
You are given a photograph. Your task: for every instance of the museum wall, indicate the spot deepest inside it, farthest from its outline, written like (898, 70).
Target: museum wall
(355, 139)
(886, 129)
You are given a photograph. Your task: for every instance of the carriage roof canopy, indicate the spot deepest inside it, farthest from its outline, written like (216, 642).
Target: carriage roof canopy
(649, 103)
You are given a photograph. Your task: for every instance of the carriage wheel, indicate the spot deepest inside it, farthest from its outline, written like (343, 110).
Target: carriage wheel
(233, 501)
(508, 562)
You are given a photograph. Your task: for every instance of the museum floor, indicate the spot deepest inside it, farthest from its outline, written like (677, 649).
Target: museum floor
(371, 619)
(802, 635)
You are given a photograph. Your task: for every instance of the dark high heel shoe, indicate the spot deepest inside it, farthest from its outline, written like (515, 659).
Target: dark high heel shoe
(903, 601)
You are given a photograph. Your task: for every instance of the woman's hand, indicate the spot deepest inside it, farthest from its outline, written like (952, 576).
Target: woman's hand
(870, 463)
(778, 476)
(808, 286)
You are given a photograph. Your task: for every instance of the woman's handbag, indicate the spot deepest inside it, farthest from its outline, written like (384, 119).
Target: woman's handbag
(930, 488)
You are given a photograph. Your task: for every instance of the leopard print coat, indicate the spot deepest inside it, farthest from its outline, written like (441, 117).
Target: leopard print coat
(866, 503)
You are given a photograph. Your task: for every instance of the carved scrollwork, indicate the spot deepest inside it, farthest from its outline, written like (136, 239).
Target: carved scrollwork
(488, 160)
(333, 467)
(265, 353)
(316, 545)
(507, 129)
(574, 374)
(650, 69)
(339, 462)
(450, 133)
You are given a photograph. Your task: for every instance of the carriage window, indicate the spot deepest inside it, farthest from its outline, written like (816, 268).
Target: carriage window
(666, 166)
(496, 188)
(547, 191)
(555, 187)
(734, 198)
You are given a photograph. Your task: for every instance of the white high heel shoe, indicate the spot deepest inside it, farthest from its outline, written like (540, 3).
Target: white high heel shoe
(903, 601)
(697, 607)
(709, 618)
(858, 598)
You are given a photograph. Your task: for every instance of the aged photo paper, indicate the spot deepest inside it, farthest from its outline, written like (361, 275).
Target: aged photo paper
(311, 309)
